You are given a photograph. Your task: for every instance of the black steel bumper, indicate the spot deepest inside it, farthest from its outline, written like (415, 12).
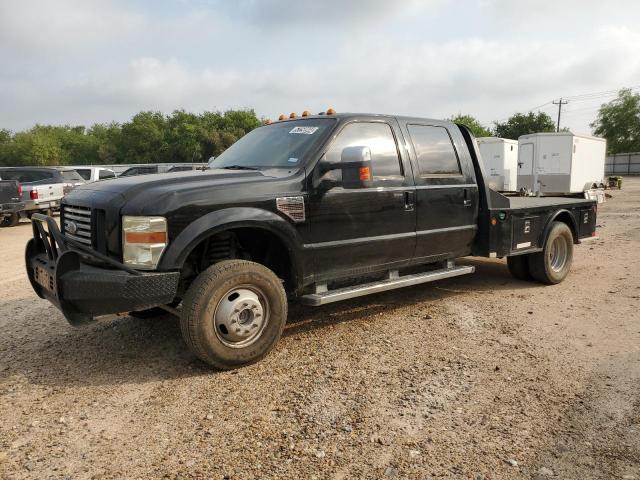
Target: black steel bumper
(60, 271)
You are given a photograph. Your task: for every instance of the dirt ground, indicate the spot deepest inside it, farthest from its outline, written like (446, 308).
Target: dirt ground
(478, 377)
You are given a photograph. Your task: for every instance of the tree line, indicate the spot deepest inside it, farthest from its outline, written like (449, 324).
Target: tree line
(618, 121)
(152, 137)
(149, 137)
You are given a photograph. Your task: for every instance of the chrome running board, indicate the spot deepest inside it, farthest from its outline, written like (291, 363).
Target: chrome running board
(329, 296)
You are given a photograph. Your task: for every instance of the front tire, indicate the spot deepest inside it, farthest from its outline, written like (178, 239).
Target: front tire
(234, 313)
(552, 265)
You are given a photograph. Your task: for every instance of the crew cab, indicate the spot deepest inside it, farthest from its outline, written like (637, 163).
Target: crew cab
(317, 209)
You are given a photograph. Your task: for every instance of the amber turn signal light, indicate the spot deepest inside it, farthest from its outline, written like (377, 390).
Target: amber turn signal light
(146, 237)
(365, 173)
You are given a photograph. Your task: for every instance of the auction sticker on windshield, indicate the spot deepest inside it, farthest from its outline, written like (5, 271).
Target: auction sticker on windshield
(304, 130)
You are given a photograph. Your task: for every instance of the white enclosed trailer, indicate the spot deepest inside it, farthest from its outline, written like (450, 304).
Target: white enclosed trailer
(560, 163)
(500, 162)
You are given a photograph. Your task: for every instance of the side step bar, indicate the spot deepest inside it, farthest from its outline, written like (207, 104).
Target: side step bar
(330, 296)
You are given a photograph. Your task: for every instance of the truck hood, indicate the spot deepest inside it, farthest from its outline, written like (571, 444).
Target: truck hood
(129, 186)
(159, 193)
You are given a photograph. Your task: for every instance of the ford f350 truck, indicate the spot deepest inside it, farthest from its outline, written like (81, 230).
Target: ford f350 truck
(317, 208)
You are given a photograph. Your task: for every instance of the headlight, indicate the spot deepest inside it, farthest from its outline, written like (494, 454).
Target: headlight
(143, 241)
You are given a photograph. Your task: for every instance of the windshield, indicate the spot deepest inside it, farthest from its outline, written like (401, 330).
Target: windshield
(279, 145)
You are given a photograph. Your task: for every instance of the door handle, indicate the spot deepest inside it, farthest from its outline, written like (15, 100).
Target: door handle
(467, 201)
(409, 200)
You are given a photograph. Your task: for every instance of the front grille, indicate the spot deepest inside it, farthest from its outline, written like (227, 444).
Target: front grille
(77, 223)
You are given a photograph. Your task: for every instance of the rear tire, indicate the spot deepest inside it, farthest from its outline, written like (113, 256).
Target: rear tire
(552, 265)
(519, 267)
(234, 313)
(10, 221)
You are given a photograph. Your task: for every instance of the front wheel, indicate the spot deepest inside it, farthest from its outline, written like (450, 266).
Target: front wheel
(234, 313)
(552, 265)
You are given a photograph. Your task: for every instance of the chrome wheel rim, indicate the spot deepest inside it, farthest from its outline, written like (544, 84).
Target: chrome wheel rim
(241, 316)
(558, 254)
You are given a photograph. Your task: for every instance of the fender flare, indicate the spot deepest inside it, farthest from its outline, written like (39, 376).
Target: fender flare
(227, 219)
(573, 226)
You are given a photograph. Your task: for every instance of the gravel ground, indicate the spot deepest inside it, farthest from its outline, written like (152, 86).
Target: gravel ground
(479, 377)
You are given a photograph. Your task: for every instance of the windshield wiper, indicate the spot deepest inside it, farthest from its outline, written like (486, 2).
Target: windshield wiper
(239, 167)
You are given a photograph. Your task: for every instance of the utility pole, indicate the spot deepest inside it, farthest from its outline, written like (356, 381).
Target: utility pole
(559, 103)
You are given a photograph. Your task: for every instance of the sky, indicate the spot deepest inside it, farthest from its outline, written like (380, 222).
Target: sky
(79, 62)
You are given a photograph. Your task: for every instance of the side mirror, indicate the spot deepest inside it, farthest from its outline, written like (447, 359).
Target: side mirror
(355, 163)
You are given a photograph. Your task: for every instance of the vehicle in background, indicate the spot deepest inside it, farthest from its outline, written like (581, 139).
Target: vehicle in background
(140, 170)
(42, 187)
(70, 179)
(93, 174)
(163, 168)
(500, 161)
(11, 203)
(183, 168)
(561, 163)
(319, 209)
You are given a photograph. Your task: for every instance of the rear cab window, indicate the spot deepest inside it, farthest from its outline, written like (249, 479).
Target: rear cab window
(28, 176)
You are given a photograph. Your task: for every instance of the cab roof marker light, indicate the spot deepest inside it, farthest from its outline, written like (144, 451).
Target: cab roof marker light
(306, 113)
(282, 117)
(292, 115)
(331, 111)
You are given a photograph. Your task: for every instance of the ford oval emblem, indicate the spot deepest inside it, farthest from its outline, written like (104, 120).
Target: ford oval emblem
(72, 227)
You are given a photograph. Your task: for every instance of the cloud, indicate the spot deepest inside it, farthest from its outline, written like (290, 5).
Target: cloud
(28, 25)
(106, 61)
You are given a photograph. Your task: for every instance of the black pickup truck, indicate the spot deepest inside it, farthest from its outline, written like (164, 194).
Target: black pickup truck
(318, 208)
(11, 203)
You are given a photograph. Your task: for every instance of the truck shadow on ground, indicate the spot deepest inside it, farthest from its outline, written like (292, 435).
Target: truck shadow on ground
(131, 350)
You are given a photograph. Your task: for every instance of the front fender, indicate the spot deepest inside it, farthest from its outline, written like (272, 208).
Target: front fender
(227, 219)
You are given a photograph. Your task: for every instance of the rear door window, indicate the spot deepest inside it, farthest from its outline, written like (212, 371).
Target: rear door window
(435, 152)
(106, 174)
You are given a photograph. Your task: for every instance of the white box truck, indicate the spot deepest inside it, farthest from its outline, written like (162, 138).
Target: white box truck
(500, 162)
(560, 163)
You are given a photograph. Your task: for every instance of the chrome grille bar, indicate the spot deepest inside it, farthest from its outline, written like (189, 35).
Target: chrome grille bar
(77, 220)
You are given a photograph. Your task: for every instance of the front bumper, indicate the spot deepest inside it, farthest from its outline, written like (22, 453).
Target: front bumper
(60, 271)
